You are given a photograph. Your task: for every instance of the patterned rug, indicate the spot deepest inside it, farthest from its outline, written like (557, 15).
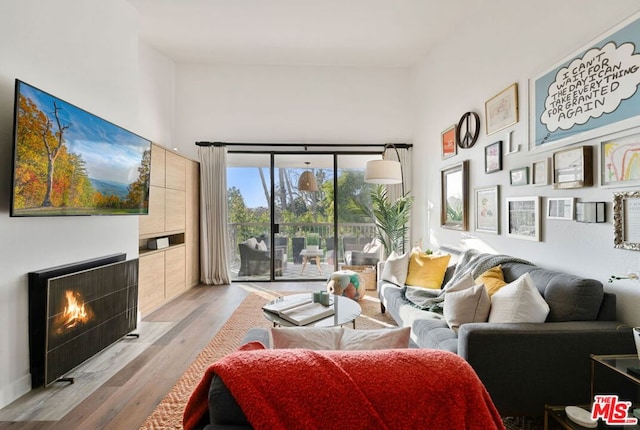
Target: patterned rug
(168, 414)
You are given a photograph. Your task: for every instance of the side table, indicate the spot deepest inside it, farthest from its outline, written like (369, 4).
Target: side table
(616, 363)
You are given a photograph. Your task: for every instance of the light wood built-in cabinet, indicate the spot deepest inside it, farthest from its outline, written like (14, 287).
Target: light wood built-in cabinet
(174, 211)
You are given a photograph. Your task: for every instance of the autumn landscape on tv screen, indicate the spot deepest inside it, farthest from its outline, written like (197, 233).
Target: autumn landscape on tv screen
(70, 162)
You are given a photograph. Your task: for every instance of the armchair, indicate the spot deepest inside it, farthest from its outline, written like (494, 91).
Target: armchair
(255, 258)
(357, 253)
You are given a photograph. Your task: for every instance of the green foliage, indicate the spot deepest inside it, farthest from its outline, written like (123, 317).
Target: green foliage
(391, 217)
(313, 239)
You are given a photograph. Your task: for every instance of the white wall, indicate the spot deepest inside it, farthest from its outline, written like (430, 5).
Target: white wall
(290, 104)
(86, 53)
(511, 42)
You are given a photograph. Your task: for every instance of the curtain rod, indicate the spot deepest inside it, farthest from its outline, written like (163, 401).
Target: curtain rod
(308, 145)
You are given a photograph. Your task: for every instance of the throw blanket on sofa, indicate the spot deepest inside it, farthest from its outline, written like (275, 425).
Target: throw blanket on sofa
(380, 389)
(471, 261)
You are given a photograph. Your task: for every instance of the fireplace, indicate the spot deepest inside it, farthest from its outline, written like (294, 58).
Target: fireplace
(77, 310)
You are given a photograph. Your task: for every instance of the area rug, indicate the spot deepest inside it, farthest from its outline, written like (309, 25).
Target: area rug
(168, 414)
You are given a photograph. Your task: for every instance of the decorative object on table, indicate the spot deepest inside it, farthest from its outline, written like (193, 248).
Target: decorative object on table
(591, 211)
(501, 110)
(468, 130)
(573, 168)
(523, 217)
(581, 416)
(488, 209)
(519, 176)
(493, 157)
(619, 167)
(560, 208)
(448, 142)
(636, 337)
(346, 283)
(313, 242)
(626, 220)
(613, 103)
(307, 181)
(454, 196)
(540, 172)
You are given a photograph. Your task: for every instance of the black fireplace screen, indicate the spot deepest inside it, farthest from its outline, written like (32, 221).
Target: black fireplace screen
(84, 312)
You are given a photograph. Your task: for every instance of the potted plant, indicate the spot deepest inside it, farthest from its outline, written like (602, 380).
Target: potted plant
(313, 242)
(391, 217)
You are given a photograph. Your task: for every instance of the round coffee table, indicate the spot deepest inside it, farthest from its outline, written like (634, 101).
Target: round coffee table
(346, 309)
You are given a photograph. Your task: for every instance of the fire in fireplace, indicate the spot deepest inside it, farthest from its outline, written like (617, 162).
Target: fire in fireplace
(76, 313)
(77, 310)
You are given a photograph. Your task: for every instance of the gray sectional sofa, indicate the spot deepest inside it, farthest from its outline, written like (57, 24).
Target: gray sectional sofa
(525, 365)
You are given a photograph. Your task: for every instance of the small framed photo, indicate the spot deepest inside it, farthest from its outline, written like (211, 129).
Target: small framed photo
(626, 220)
(501, 110)
(488, 210)
(448, 142)
(541, 172)
(493, 157)
(560, 208)
(519, 176)
(523, 217)
(618, 167)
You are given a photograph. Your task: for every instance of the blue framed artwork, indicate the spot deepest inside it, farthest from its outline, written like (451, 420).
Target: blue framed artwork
(591, 93)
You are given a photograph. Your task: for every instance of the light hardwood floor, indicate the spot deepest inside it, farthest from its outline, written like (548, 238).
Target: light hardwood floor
(131, 392)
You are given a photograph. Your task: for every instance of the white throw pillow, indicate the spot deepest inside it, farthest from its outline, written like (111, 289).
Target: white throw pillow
(335, 338)
(262, 246)
(385, 338)
(396, 268)
(252, 242)
(465, 281)
(466, 305)
(519, 301)
(306, 337)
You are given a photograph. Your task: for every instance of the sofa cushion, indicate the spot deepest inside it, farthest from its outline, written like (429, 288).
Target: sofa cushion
(434, 333)
(395, 269)
(466, 305)
(427, 270)
(570, 298)
(386, 338)
(493, 280)
(519, 301)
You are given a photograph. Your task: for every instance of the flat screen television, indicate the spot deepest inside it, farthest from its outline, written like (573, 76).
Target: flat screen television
(67, 161)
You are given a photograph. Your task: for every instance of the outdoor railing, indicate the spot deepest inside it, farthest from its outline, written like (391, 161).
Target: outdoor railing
(239, 232)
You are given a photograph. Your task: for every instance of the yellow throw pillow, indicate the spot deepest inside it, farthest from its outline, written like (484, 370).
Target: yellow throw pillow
(493, 280)
(427, 270)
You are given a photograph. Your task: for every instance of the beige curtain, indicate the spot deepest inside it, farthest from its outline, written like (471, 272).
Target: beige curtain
(213, 215)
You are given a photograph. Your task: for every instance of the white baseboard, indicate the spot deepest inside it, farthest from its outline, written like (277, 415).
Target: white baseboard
(15, 390)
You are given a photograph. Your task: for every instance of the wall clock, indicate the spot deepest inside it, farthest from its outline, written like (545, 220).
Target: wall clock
(468, 129)
(573, 168)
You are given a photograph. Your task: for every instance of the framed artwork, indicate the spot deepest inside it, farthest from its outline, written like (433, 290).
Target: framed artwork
(454, 197)
(626, 220)
(519, 176)
(620, 162)
(487, 209)
(501, 110)
(604, 70)
(540, 172)
(560, 208)
(573, 168)
(523, 217)
(448, 142)
(493, 157)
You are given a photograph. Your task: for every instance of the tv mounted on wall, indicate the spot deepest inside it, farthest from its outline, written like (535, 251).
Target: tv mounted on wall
(67, 161)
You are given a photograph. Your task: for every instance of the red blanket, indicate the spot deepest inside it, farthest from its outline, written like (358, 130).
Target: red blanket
(381, 389)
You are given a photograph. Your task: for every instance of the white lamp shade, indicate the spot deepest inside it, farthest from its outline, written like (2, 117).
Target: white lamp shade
(383, 172)
(307, 182)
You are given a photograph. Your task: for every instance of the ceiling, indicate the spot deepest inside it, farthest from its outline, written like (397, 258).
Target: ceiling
(354, 33)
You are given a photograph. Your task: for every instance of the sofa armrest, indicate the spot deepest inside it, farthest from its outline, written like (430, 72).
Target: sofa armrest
(537, 364)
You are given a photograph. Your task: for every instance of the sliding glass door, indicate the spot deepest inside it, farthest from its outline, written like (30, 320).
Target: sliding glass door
(302, 221)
